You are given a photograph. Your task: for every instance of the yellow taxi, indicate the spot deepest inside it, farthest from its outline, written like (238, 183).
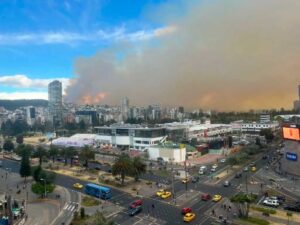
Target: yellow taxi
(216, 198)
(77, 185)
(160, 192)
(189, 217)
(165, 195)
(253, 168)
(185, 180)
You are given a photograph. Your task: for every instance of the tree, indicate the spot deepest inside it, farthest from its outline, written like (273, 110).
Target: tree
(122, 166)
(64, 153)
(71, 152)
(26, 148)
(25, 168)
(139, 167)
(229, 141)
(40, 152)
(20, 139)
(86, 154)
(53, 152)
(39, 174)
(82, 125)
(8, 145)
(243, 201)
(39, 188)
(267, 133)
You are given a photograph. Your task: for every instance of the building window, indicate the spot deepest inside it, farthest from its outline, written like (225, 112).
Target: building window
(138, 142)
(146, 142)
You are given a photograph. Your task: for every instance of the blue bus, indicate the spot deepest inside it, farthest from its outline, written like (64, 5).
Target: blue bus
(97, 191)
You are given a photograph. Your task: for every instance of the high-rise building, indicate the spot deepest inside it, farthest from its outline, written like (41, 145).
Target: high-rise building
(55, 102)
(297, 106)
(30, 115)
(125, 108)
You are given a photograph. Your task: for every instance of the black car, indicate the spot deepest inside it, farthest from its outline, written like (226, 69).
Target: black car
(264, 157)
(238, 175)
(195, 179)
(295, 208)
(135, 211)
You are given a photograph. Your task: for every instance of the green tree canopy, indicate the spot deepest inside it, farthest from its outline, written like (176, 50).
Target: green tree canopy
(8, 145)
(86, 154)
(25, 168)
(53, 152)
(40, 153)
(242, 201)
(139, 167)
(71, 152)
(122, 166)
(20, 139)
(39, 188)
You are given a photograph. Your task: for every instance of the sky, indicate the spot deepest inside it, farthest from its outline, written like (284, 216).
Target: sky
(211, 54)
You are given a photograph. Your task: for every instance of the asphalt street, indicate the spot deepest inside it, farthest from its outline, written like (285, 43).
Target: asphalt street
(164, 211)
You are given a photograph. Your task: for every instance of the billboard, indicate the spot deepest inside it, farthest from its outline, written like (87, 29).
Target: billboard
(291, 156)
(291, 133)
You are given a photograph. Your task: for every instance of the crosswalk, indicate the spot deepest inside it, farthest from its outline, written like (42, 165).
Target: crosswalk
(70, 206)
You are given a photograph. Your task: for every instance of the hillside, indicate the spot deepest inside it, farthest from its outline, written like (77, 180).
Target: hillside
(14, 104)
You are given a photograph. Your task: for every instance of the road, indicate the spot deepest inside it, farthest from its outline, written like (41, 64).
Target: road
(164, 212)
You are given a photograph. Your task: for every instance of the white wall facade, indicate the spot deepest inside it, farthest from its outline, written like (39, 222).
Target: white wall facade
(177, 154)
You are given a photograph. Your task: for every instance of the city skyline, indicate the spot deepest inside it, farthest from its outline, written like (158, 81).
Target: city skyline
(172, 53)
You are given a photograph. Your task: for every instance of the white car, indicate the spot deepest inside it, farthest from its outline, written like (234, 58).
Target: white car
(223, 160)
(271, 202)
(202, 170)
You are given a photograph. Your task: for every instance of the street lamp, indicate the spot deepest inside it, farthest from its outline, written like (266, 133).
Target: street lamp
(44, 185)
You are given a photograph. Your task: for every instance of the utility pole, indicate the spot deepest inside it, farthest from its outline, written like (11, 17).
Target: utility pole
(186, 183)
(247, 182)
(173, 188)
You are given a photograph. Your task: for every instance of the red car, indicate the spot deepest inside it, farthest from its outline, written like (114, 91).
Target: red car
(136, 203)
(186, 210)
(205, 197)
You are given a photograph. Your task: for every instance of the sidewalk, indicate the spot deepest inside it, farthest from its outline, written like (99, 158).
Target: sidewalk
(39, 211)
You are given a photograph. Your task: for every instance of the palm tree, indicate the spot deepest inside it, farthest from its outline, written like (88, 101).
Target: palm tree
(243, 201)
(64, 153)
(40, 152)
(139, 167)
(86, 154)
(53, 152)
(122, 166)
(71, 152)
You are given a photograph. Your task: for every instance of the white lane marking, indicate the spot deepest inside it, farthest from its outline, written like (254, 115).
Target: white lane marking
(72, 208)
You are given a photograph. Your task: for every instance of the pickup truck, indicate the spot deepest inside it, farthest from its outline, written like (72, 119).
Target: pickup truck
(271, 202)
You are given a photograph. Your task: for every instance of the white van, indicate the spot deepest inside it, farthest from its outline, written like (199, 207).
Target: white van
(202, 170)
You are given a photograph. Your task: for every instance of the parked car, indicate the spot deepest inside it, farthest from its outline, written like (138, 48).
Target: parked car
(185, 180)
(264, 157)
(294, 207)
(205, 197)
(160, 192)
(136, 203)
(135, 211)
(195, 179)
(186, 210)
(226, 183)
(223, 160)
(271, 202)
(202, 170)
(246, 168)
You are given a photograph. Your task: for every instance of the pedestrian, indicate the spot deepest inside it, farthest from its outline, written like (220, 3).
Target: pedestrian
(229, 208)
(153, 206)
(213, 212)
(224, 206)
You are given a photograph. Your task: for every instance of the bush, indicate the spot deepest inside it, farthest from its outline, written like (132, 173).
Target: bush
(89, 201)
(264, 210)
(257, 221)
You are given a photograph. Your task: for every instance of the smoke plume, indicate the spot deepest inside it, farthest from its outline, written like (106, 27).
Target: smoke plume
(226, 55)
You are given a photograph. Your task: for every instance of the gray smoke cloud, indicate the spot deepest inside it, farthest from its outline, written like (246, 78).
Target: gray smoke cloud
(226, 55)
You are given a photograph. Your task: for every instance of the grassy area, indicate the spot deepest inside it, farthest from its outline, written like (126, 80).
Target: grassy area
(264, 210)
(252, 220)
(89, 201)
(163, 173)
